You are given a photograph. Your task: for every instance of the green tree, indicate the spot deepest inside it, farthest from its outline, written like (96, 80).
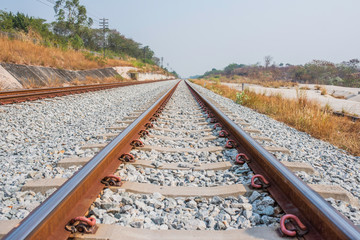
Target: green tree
(71, 17)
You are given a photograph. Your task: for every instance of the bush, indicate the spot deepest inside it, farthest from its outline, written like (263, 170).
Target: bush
(241, 97)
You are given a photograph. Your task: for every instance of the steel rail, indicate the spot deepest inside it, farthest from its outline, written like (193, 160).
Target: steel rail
(75, 196)
(32, 94)
(290, 192)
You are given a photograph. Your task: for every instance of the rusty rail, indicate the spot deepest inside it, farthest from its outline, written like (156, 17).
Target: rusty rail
(75, 196)
(290, 192)
(16, 96)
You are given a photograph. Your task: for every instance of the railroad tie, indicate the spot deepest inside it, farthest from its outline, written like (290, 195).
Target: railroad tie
(181, 191)
(293, 166)
(116, 128)
(183, 165)
(107, 135)
(92, 146)
(182, 131)
(204, 138)
(325, 191)
(125, 122)
(7, 225)
(73, 161)
(251, 130)
(178, 150)
(131, 117)
(165, 149)
(197, 123)
(182, 119)
(261, 138)
(115, 232)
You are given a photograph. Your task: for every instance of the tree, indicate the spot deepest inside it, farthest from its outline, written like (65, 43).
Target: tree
(229, 68)
(267, 60)
(71, 17)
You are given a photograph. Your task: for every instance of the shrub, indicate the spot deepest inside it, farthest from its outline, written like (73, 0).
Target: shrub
(241, 97)
(323, 91)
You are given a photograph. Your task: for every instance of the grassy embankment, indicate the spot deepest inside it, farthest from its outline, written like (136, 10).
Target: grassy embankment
(300, 113)
(28, 53)
(259, 81)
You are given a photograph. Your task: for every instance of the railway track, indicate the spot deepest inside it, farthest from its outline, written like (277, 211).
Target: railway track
(17, 96)
(178, 166)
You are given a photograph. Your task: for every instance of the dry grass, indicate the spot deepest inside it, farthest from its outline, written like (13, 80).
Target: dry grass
(304, 88)
(323, 91)
(336, 96)
(261, 82)
(301, 114)
(92, 80)
(317, 87)
(31, 84)
(28, 53)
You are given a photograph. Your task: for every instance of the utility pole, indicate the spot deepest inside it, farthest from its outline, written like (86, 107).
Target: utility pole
(162, 62)
(104, 25)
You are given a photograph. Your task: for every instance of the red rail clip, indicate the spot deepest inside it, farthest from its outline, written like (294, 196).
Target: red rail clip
(81, 224)
(302, 228)
(210, 115)
(112, 180)
(137, 143)
(239, 157)
(148, 125)
(223, 133)
(143, 133)
(213, 120)
(230, 144)
(216, 125)
(261, 183)
(153, 119)
(127, 157)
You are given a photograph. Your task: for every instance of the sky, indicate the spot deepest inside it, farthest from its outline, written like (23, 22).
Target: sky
(194, 36)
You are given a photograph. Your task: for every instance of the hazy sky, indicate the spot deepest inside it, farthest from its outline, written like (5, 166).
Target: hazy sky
(194, 36)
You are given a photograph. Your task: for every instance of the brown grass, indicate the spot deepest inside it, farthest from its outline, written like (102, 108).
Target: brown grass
(92, 80)
(323, 91)
(304, 88)
(58, 83)
(30, 83)
(28, 53)
(317, 87)
(261, 82)
(301, 114)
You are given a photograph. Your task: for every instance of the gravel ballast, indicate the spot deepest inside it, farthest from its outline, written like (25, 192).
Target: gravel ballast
(155, 211)
(34, 136)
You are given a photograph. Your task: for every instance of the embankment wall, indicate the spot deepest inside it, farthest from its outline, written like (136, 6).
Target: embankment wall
(15, 76)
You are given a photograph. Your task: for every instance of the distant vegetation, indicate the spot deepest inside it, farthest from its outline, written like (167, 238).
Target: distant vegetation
(72, 31)
(346, 73)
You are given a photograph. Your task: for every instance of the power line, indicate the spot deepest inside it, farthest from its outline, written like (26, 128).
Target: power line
(44, 3)
(95, 15)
